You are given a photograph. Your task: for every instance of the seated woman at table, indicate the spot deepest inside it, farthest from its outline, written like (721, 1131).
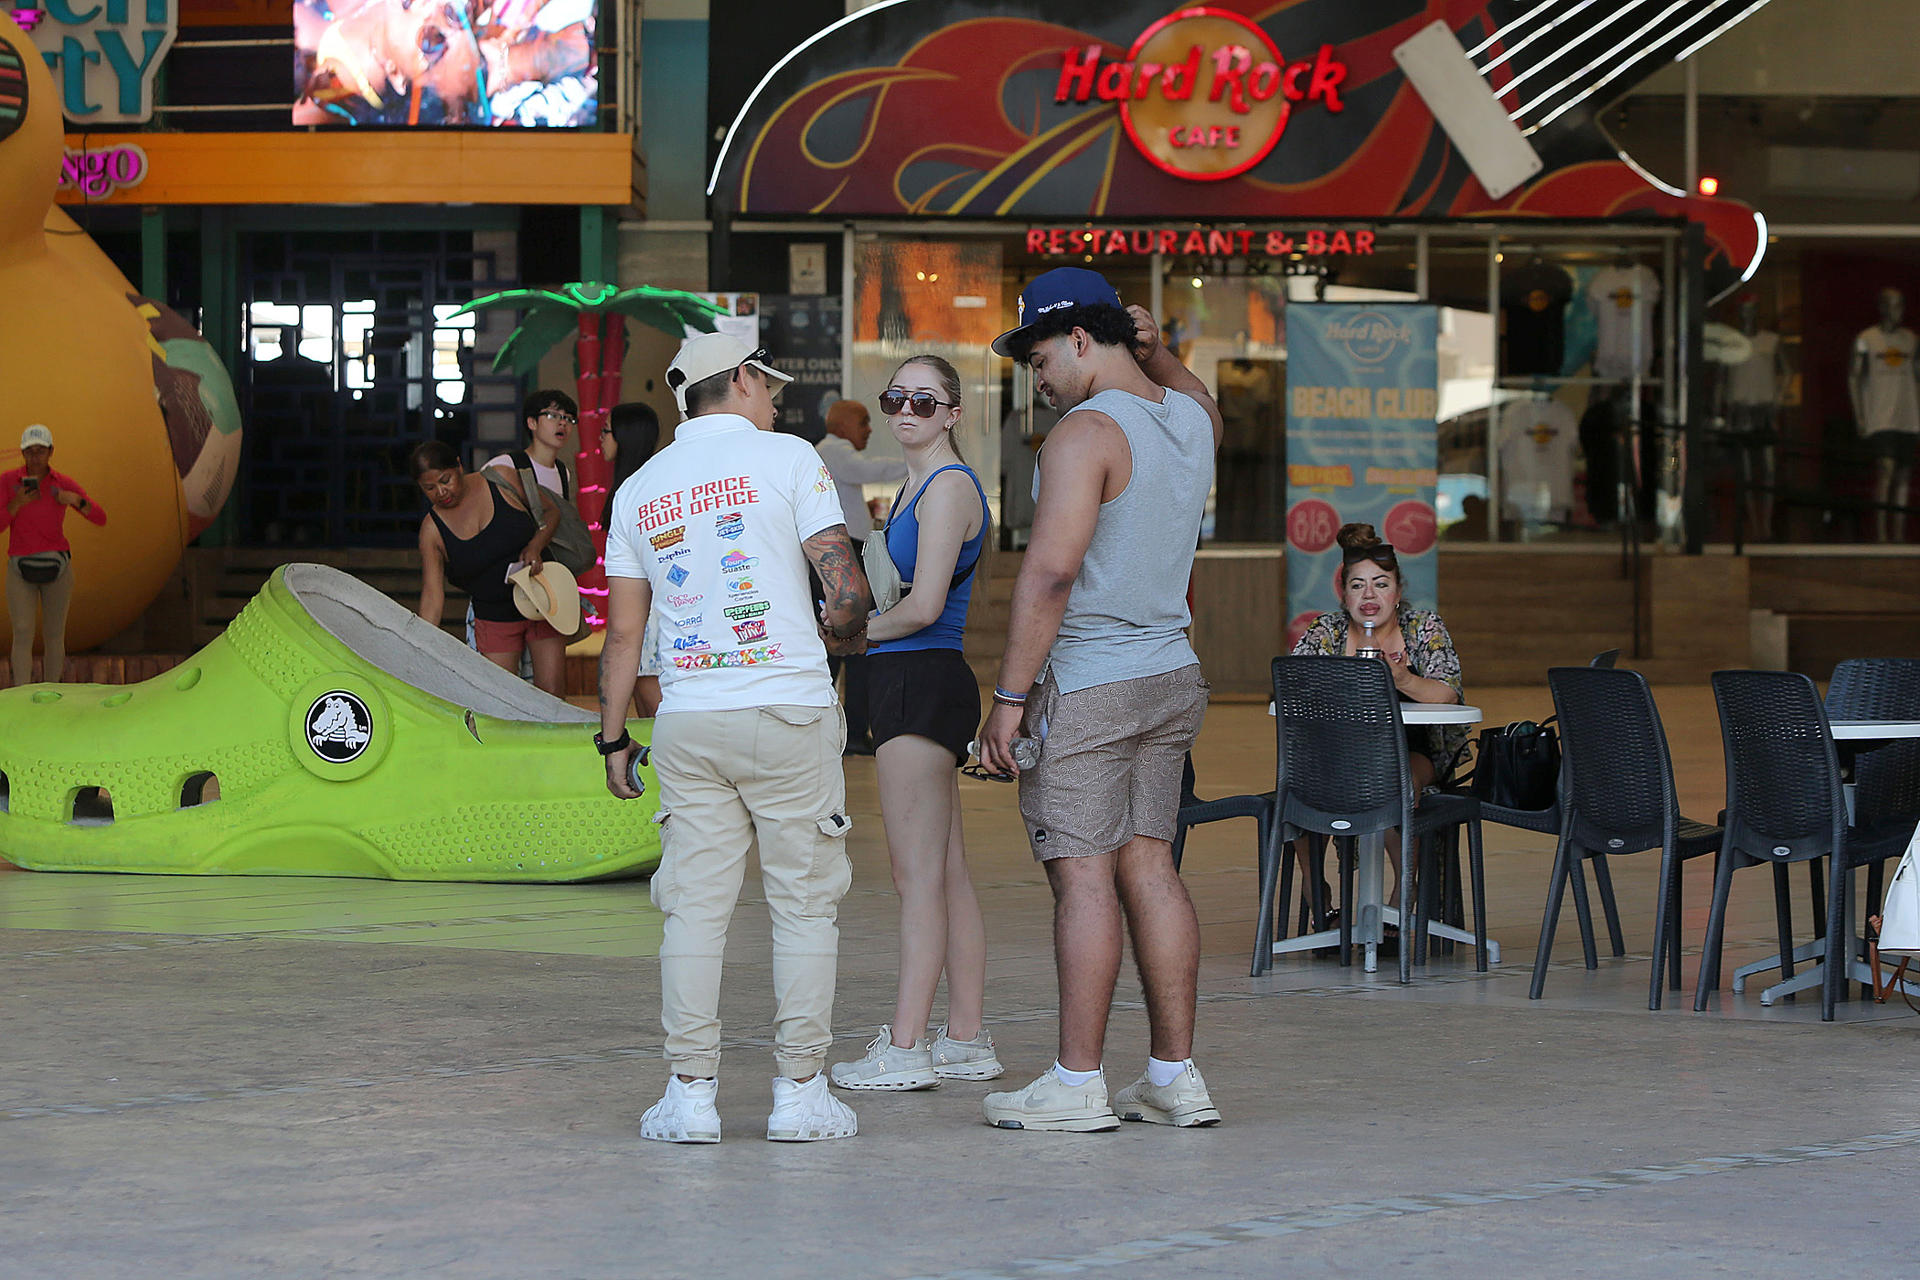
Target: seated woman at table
(1416, 644)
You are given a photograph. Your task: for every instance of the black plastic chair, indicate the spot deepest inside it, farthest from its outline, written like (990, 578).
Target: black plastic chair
(1886, 776)
(1874, 689)
(1785, 805)
(1194, 811)
(1617, 777)
(1547, 822)
(1341, 751)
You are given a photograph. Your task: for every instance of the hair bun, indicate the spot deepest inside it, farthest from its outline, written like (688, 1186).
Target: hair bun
(1356, 537)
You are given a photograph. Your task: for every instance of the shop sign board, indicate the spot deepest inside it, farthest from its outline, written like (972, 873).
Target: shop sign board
(802, 335)
(105, 54)
(1071, 112)
(1362, 444)
(1203, 93)
(1139, 242)
(739, 317)
(98, 172)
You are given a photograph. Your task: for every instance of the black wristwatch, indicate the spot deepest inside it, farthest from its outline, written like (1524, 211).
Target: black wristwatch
(620, 743)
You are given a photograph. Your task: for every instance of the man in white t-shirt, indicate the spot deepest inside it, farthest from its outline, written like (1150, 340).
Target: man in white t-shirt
(717, 530)
(843, 449)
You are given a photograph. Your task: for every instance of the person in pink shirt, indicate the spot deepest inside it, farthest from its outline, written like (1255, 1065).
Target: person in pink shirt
(39, 561)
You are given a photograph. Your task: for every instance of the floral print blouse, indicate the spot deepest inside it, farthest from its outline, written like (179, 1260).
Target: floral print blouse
(1429, 653)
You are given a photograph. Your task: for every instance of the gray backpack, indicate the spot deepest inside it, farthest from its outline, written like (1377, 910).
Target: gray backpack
(572, 544)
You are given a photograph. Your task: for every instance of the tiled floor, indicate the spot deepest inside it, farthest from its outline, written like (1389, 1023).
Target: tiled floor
(240, 1077)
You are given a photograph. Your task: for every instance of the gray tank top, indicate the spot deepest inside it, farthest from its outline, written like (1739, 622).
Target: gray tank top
(1127, 616)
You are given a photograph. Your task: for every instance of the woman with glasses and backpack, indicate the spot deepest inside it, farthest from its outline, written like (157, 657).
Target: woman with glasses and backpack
(925, 706)
(39, 561)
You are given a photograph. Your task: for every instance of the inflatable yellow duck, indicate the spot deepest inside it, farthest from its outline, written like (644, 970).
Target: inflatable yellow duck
(141, 411)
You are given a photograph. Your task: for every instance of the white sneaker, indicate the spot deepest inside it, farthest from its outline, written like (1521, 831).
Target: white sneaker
(808, 1113)
(966, 1059)
(888, 1066)
(1184, 1103)
(1050, 1104)
(685, 1113)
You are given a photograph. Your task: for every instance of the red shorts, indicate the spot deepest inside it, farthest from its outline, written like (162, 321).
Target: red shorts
(511, 637)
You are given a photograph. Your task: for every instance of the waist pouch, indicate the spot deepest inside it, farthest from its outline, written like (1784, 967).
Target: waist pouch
(41, 569)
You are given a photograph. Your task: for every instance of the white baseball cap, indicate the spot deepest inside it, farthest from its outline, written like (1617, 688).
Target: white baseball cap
(710, 353)
(36, 435)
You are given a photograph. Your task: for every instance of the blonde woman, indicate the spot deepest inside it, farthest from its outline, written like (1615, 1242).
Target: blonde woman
(925, 706)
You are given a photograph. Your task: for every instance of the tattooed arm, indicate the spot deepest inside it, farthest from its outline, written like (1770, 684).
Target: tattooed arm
(843, 583)
(629, 600)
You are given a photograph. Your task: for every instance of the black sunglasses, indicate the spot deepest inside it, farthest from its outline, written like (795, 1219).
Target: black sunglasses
(923, 403)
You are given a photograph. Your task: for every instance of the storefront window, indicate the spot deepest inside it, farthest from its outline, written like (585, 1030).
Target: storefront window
(914, 295)
(1811, 420)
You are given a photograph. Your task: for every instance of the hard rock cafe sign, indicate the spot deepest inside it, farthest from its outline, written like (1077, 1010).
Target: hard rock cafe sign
(1204, 93)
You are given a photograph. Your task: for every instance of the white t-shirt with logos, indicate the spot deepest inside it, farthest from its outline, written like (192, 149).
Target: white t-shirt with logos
(1890, 401)
(714, 522)
(1623, 300)
(1537, 440)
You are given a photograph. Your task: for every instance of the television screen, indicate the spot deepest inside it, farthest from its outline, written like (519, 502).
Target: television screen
(445, 62)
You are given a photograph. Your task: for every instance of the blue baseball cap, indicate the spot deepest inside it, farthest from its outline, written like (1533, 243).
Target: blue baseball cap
(1052, 290)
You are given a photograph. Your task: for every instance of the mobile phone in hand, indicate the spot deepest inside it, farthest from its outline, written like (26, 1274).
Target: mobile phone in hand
(30, 484)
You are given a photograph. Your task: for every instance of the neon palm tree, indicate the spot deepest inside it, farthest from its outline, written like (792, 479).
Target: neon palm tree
(597, 315)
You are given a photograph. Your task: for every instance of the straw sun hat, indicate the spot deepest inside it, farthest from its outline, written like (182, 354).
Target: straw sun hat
(549, 591)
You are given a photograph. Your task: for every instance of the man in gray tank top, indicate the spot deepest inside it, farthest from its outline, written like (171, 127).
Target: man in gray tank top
(1099, 668)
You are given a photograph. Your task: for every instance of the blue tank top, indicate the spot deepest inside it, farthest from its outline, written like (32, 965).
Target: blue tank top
(903, 544)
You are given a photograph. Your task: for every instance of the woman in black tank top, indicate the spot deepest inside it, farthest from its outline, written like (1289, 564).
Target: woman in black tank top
(474, 533)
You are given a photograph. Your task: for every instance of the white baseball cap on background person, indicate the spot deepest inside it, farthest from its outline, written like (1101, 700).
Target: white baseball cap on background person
(708, 354)
(36, 435)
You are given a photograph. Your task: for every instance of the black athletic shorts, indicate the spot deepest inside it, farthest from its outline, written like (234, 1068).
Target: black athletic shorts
(929, 693)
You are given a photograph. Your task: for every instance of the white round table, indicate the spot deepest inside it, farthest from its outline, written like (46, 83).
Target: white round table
(1438, 713)
(1858, 730)
(1371, 912)
(1457, 713)
(1855, 733)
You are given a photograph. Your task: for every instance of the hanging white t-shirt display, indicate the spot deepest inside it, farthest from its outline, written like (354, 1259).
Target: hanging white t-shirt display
(1755, 381)
(1537, 443)
(1889, 401)
(714, 523)
(1623, 301)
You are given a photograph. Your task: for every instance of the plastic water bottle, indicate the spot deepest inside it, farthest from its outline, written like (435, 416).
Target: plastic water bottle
(634, 762)
(1026, 752)
(1366, 648)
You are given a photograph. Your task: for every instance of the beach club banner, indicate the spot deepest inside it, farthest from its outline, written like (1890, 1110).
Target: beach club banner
(1362, 391)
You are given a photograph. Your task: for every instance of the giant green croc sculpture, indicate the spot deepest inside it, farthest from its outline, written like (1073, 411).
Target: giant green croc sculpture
(329, 732)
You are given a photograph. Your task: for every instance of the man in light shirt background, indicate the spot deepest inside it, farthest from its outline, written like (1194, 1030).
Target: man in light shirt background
(843, 449)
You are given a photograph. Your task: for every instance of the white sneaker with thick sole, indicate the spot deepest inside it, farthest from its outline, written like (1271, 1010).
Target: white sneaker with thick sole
(966, 1059)
(685, 1113)
(1049, 1104)
(808, 1113)
(888, 1066)
(1184, 1103)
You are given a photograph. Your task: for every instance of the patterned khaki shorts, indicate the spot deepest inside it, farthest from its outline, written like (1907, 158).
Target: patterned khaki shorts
(1110, 762)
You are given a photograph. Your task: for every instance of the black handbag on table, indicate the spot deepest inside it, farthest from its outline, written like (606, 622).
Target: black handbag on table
(1517, 766)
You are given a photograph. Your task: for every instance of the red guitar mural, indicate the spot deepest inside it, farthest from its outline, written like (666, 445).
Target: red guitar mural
(1066, 116)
